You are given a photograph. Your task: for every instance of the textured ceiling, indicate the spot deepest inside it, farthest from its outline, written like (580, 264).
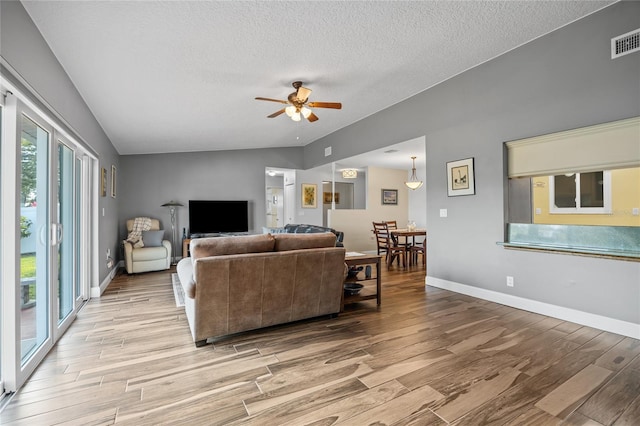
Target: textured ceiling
(172, 76)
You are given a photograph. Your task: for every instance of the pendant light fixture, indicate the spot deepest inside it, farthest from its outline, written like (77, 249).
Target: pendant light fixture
(413, 182)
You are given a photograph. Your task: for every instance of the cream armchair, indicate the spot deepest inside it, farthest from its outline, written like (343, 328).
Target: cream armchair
(144, 259)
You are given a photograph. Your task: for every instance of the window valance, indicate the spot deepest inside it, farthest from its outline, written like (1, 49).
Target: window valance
(607, 146)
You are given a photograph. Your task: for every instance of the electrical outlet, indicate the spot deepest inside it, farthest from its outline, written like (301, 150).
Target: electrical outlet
(443, 212)
(635, 211)
(509, 281)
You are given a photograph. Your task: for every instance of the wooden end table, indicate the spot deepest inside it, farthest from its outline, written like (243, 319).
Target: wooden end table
(361, 259)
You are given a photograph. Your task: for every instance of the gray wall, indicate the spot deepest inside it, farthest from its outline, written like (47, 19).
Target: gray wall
(561, 81)
(26, 52)
(148, 181)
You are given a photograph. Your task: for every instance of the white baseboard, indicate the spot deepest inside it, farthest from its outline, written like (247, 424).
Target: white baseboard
(567, 314)
(97, 291)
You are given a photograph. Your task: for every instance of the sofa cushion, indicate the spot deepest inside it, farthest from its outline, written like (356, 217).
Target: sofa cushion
(152, 238)
(293, 228)
(218, 246)
(286, 242)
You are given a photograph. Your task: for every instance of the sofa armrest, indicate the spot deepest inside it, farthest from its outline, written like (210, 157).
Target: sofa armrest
(167, 245)
(185, 273)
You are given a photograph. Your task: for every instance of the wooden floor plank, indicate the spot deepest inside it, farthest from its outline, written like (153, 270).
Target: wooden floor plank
(565, 398)
(606, 405)
(426, 356)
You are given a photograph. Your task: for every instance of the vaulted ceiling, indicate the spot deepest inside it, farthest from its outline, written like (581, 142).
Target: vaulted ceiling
(182, 75)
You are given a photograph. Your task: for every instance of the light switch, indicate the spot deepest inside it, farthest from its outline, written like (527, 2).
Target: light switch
(443, 212)
(635, 211)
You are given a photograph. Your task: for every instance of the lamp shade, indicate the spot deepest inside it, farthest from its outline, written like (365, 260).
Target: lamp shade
(306, 112)
(172, 204)
(290, 110)
(413, 183)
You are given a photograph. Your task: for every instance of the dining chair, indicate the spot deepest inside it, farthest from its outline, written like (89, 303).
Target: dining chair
(391, 225)
(418, 249)
(380, 228)
(386, 245)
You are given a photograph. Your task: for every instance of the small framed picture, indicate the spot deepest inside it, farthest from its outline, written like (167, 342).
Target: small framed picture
(390, 197)
(103, 182)
(460, 178)
(327, 198)
(113, 181)
(309, 196)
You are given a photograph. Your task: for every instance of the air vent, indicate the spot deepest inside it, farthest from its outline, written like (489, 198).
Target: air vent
(625, 44)
(390, 151)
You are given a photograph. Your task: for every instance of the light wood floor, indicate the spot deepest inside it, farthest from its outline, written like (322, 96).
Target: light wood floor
(427, 357)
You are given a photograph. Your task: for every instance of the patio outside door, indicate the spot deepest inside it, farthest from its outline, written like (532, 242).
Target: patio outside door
(46, 240)
(35, 237)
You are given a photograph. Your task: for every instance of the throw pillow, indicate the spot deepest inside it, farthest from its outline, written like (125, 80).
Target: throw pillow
(153, 238)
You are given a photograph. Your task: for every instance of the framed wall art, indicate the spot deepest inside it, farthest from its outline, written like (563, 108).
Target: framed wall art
(309, 196)
(103, 182)
(390, 197)
(327, 198)
(113, 181)
(460, 178)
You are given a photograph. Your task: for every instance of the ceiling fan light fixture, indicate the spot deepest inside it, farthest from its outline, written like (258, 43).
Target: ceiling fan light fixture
(296, 116)
(413, 183)
(306, 112)
(290, 110)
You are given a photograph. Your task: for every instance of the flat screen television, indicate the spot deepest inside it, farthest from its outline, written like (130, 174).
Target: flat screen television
(212, 217)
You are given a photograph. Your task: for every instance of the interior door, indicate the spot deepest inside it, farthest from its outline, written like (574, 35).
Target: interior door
(289, 203)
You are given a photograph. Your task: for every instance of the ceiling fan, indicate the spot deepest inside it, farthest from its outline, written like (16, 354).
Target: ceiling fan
(298, 104)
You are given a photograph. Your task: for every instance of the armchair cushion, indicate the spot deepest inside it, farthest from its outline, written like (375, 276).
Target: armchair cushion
(152, 238)
(149, 253)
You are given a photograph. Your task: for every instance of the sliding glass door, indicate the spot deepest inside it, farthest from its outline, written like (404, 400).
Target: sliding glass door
(35, 232)
(46, 236)
(64, 232)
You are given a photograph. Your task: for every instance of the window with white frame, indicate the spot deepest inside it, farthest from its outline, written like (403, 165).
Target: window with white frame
(580, 193)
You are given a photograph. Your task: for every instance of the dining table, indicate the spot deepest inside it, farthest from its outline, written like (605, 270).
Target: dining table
(407, 234)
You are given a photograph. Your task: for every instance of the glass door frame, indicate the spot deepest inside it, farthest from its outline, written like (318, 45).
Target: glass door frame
(14, 373)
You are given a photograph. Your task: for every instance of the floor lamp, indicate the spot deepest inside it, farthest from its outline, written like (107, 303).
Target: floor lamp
(172, 205)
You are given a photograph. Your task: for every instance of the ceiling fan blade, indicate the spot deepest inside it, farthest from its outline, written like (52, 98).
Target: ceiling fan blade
(275, 114)
(312, 117)
(303, 93)
(272, 100)
(334, 105)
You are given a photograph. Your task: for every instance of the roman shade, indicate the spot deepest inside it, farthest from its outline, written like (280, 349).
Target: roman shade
(614, 145)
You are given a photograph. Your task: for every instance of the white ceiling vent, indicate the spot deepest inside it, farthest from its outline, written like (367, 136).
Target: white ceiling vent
(625, 44)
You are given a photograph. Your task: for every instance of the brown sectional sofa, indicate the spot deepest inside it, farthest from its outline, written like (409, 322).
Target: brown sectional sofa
(235, 284)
